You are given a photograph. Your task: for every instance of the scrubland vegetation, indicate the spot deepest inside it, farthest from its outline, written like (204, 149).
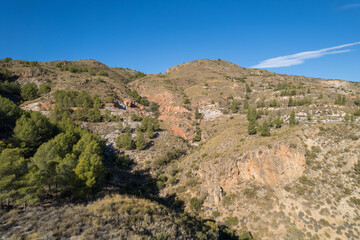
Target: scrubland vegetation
(214, 151)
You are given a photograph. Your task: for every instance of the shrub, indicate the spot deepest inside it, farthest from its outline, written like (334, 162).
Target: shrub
(292, 120)
(265, 129)
(198, 115)
(278, 122)
(248, 89)
(6, 60)
(7, 87)
(233, 221)
(139, 74)
(252, 127)
(29, 91)
(30, 64)
(197, 137)
(9, 113)
(154, 108)
(139, 99)
(103, 73)
(357, 112)
(125, 141)
(173, 180)
(140, 140)
(122, 160)
(45, 88)
(186, 101)
(196, 204)
(6, 74)
(135, 117)
(340, 100)
(235, 106)
(170, 156)
(273, 103)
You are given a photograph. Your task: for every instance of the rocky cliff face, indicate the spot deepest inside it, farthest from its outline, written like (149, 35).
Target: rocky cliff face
(271, 166)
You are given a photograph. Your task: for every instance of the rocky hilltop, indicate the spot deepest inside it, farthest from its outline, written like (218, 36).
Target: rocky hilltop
(293, 174)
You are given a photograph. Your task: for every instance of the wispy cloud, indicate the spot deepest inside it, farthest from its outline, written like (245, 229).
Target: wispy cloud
(299, 58)
(349, 6)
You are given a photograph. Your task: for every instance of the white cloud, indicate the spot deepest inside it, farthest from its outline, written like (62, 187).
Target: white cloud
(299, 58)
(349, 6)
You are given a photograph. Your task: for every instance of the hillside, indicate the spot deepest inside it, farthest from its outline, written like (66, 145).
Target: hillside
(249, 150)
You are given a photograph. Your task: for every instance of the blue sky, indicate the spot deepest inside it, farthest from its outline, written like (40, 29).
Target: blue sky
(153, 35)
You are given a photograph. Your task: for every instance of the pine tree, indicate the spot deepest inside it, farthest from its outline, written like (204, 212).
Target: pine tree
(90, 170)
(50, 154)
(150, 132)
(252, 114)
(278, 122)
(29, 91)
(248, 89)
(33, 129)
(197, 137)
(252, 127)
(65, 176)
(235, 106)
(197, 114)
(265, 129)
(291, 102)
(125, 141)
(246, 104)
(292, 120)
(140, 140)
(9, 113)
(12, 168)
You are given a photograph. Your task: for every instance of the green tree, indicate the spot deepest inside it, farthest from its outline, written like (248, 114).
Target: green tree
(265, 129)
(6, 74)
(29, 91)
(246, 104)
(150, 123)
(65, 175)
(252, 114)
(292, 120)
(278, 122)
(45, 88)
(51, 153)
(9, 113)
(6, 60)
(12, 169)
(11, 87)
(150, 132)
(186, 101)
(252, 127)
(33, 129)
(196, 203)
(90, 171)
(94, 115)
(197, 114)
(140, 140)
(235, 106)
(248, 89)
(125, 141)
(291, 102)
(197, 137)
